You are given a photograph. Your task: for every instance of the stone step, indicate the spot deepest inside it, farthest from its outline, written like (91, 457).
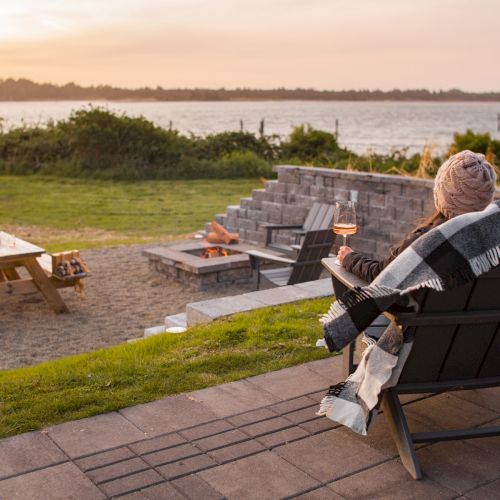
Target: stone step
(154, 330)
(162, 329)
(176, 320)
(220, 218)
(232, 210)
(209, 310)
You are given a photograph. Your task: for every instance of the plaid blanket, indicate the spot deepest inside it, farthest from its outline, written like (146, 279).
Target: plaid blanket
(446, 257)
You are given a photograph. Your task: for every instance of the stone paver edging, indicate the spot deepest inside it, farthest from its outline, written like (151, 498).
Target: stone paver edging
(209, 310)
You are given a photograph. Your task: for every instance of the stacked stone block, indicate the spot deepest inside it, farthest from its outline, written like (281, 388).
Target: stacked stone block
(388, 206)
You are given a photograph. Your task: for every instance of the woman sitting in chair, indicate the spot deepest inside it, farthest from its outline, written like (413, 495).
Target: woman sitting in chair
(464, 183)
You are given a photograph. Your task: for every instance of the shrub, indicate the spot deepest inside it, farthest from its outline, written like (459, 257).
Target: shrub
(312, 145)
(220, 145)
(120, 146)
(479, 143)
(243, 164)
(29, 150)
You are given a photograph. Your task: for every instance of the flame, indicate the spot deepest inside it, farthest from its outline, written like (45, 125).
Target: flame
(211, 252)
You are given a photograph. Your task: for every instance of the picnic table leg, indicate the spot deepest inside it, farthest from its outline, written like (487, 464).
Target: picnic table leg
(11, 274)
(45, 286)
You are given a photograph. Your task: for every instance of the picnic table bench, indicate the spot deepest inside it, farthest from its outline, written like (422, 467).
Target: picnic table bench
(17, 253)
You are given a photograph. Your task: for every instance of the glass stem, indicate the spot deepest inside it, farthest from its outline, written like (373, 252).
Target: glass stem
(345, 239)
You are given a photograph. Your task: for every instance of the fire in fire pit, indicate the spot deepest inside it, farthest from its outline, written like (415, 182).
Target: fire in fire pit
(211, 252)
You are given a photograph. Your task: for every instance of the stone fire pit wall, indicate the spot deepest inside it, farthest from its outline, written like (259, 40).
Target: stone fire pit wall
(387, 205)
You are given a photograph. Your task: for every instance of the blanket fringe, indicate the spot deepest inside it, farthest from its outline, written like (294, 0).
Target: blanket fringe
(329, 398)
(368, 341)
(353, 297)
(356, 295)
(461, 276)
(325, 405)
(334, 312)
(483, 263)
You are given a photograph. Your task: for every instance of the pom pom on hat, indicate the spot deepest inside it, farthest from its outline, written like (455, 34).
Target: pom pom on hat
(464, 183)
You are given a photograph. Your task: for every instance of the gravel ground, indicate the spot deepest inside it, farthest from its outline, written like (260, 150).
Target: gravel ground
(123, 298)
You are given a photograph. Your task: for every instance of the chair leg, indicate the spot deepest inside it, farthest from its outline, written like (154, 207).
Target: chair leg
(255, 266)
(401, 433)
(348, 359)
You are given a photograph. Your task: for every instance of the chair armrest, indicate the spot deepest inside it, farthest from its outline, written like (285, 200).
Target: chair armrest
(256, 254)
(298, 234)
(282, 226)
(345, 277)
(276, 227)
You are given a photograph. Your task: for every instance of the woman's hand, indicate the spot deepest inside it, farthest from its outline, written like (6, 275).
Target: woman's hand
(343, 251)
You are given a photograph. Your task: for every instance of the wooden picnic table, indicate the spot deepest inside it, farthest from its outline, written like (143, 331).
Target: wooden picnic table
(16, 253)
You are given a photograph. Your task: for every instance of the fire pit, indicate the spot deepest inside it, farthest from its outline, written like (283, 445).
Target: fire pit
(211, 252)
(201, 265)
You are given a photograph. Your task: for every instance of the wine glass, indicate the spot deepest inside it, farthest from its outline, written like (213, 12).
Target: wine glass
(344, 220)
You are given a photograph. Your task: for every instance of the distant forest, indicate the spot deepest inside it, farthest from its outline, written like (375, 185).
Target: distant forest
(27, 90)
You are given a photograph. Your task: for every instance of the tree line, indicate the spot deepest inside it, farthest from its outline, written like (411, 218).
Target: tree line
(26, 90)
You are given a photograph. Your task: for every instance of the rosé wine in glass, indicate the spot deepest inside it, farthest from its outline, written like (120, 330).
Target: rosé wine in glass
(344, 220)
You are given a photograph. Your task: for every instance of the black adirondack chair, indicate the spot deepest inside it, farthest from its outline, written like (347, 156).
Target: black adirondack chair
(456, 347)
(306, 267)
(320, 216)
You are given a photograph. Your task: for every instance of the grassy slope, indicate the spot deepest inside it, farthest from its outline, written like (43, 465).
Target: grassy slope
(131, 211)
(101, 381)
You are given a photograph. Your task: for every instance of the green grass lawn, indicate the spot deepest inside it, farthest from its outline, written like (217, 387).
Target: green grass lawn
(60, 213)
(109, 379)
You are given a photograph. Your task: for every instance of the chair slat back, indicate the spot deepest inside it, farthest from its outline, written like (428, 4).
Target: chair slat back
(325, 217)
(311, 216)
(316, 223)
(320, 217)
(457, 351)
(316, 246)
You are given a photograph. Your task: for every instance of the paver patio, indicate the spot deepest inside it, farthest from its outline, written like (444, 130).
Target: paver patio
(253, 439)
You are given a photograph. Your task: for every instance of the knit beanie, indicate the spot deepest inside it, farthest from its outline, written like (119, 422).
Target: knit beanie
(464, 183)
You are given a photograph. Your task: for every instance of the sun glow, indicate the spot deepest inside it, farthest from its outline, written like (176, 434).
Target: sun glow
(38, 19)
(11, 22)
(257, 43)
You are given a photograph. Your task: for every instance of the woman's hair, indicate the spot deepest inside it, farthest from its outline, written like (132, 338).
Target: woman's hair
(427, 221)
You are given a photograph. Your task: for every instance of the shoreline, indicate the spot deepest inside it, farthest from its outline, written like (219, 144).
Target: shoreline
(352, 101)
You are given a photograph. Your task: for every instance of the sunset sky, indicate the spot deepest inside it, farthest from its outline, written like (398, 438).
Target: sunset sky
(325, 44)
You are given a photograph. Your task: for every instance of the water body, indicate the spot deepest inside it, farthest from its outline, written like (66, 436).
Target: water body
(362, 126)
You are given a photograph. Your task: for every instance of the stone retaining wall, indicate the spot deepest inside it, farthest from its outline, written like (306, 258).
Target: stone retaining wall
(388, 206)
